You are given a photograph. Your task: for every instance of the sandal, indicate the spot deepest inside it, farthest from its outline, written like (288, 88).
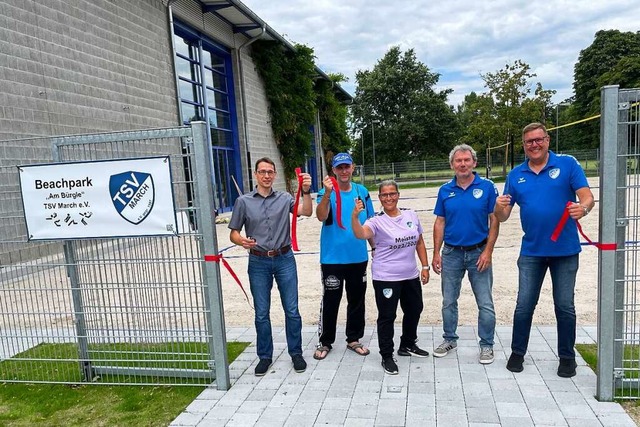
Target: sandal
(321, 352)
(355, 346)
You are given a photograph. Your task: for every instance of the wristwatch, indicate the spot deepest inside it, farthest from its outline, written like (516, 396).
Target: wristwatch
(426, 267)
(586, 211)
(306, 192)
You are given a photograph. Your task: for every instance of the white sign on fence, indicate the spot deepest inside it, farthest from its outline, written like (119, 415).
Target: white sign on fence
(114, 198)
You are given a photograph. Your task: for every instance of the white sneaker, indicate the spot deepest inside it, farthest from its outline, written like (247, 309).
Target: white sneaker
(444, 348)
(486, 355)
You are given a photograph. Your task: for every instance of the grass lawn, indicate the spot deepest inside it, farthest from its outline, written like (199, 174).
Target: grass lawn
(589, 353)
(95, 405)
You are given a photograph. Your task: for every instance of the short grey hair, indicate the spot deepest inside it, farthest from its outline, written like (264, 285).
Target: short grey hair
(463, 147)
(388, 182)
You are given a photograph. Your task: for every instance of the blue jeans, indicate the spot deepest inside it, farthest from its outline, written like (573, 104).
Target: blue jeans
(455, 262)
(262, 271)
(563, 278)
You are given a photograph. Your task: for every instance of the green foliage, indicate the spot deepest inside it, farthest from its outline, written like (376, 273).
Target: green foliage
(496, 117)
(295, 95)
(603, 62)
(333, 118)
(288, 78)
(397, 105)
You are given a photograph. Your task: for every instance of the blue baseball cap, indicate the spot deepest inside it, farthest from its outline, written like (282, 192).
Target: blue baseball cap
(342, 159)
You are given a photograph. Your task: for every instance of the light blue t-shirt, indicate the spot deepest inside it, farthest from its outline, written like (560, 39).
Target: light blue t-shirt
(338, 246)
(542, 199)
(466, 211)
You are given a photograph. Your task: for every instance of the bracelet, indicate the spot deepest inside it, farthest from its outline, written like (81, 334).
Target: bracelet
(426, 267)
(306, 192)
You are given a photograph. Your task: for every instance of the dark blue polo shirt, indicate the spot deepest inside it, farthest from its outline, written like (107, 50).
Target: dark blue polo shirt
(542, 199)
(466, 211)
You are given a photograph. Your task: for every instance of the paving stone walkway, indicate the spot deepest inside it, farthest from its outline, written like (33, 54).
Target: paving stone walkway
(351, 390)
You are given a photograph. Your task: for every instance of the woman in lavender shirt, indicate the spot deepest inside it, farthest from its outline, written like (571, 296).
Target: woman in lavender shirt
(397, 234)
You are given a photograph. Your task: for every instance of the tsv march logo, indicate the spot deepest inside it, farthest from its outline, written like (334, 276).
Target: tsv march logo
(132, 194)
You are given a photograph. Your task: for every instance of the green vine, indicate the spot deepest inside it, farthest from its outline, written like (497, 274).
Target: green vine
(294, 99)
(288, 78)
(333, 118)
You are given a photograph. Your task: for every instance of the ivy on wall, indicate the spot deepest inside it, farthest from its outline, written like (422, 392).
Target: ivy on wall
(294, 98)
(333, 118)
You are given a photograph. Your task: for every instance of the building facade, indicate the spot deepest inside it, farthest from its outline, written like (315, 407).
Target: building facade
(87, 66)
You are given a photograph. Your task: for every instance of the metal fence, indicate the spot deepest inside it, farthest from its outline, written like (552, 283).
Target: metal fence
(619, 270)
(439, 170)
(138, 310)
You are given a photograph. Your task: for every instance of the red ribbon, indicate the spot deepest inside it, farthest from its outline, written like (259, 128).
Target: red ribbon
(294, 221)
(218, 258)
(336, 190)
(563, 221)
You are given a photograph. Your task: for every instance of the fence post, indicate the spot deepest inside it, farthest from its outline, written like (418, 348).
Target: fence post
(612, 229)
(424, 171)
(209, 245)
(71, 268)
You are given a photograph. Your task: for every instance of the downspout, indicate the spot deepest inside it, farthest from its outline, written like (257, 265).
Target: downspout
(243, 101)
(173, 61)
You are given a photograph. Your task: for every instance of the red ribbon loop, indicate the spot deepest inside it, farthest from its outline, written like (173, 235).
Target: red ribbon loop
(218, 258)
(294, 220)
(336, 190)
(563, 221)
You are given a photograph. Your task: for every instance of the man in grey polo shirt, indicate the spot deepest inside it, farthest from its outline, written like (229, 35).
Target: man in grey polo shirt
(264, 214)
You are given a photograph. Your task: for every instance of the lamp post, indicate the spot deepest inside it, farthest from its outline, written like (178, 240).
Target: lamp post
(373, 142)
(558, 105)
(362, 171)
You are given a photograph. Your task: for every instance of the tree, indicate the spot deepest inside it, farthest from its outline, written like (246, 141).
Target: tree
(603, 62)
(496, 117)
(410, 119)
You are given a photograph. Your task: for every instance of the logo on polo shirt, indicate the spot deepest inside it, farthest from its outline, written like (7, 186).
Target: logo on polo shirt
(452, 194)
(410, 224)
(477, 193)
(554, 173)
(521, 180)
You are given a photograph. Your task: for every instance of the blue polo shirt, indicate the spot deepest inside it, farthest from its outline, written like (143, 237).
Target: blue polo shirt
(466, 211)
(338, 246)
(542, 199)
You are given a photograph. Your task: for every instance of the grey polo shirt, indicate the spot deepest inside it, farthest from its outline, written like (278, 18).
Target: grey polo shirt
(266, 219)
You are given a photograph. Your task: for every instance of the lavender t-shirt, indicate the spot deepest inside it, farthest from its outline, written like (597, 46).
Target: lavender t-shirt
(396, 239)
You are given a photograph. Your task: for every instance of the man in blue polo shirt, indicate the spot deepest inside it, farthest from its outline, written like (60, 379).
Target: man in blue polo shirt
(543, 187)
(466, 225)
(343, 258)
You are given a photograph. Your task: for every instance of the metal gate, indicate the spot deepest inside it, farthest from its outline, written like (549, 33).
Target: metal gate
(619, 270)
(144, 310)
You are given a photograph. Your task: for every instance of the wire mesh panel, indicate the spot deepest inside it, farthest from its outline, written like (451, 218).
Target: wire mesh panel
(619, 277)
(112, 311)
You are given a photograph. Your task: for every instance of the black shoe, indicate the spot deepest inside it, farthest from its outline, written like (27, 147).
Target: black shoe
(515, 363)
(299, 365)
(389, 365)
(413, 350)
(263, 367)
(567, 368)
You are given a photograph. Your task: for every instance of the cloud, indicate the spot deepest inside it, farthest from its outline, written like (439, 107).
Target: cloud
(458, 39)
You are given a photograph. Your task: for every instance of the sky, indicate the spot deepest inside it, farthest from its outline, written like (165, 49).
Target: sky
(459, 39)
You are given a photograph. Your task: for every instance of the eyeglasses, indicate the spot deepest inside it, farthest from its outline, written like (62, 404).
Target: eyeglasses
(537, 141)
(263, 172)
(392, 195)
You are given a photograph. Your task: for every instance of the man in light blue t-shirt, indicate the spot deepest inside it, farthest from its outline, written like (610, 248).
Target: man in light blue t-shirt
(544, 186)
(343, 258)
